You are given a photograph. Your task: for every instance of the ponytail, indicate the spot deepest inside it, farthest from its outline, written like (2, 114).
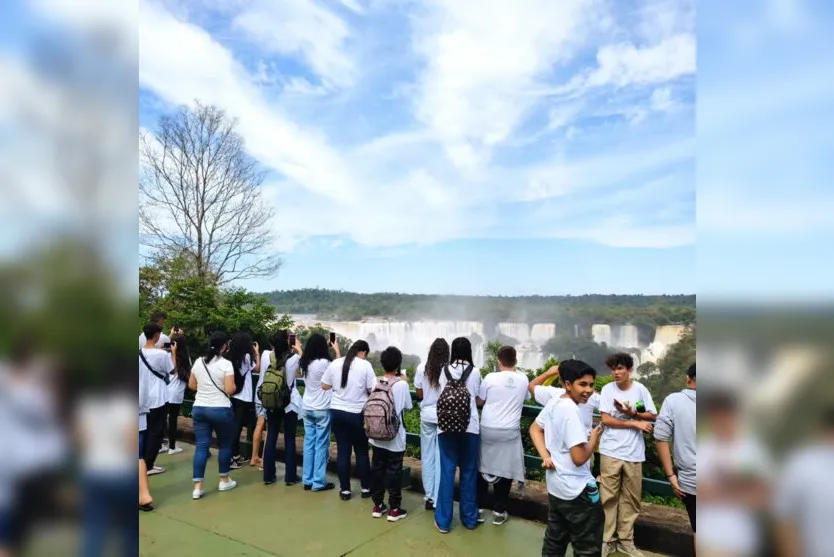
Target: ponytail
(438, 358)
(216, 343)
(355, 348)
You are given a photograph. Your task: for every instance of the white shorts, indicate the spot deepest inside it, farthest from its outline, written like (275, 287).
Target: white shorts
(260, 411)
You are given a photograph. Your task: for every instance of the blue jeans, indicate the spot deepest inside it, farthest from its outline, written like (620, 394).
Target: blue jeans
(349, 430)
(222, 422)
(458, 450)
(430, 459)
(108, 512)
(316, 447)
(274, 420)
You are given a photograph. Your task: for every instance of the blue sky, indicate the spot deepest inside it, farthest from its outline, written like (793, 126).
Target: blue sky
(430, 147)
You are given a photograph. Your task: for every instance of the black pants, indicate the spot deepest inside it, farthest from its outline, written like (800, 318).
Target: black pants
(500, 491)
(349, 430)
(244, 417)
(579, 523)
(156, 431)
(173, 413)
(386, 471)
(689, 503)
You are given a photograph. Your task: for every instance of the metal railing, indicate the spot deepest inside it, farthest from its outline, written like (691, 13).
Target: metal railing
(531, 461)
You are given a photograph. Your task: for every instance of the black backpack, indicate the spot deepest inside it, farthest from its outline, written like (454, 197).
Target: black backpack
(454, 406)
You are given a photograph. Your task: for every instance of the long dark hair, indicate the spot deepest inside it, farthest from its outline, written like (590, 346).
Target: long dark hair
(217, 341)
(461, 350)
(280, 342)
(240, 348)
(355, 348)
(183, 357)
(315, 349)
(438, 357)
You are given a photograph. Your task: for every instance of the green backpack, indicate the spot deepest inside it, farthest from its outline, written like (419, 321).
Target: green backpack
(274, 392)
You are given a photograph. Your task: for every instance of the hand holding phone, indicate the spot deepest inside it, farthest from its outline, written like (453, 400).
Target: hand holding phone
(292, 340)
(332, 338)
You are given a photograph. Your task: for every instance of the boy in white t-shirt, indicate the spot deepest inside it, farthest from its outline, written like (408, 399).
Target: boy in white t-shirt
(575, 513)
(387, 460)
(628, 412)
(543, 393)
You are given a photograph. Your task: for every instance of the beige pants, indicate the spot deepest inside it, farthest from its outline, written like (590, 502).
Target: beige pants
(621, 490)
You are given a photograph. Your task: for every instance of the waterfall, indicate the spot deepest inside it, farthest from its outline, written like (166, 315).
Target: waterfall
(627, 336)
(518, 331)
(601, 333)
(542, 332)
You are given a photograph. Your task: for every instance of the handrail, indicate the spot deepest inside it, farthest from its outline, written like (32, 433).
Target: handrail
(531, 461)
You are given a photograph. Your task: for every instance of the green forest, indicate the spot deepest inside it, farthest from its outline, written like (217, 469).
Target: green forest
(567, 312)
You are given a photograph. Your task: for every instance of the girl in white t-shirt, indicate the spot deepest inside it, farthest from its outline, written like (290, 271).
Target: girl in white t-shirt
(351, 380)
(212, 377)
(427, 383)
(243, 353)
(176, 390)
(286, 418)
(459, 449)
(314, 362)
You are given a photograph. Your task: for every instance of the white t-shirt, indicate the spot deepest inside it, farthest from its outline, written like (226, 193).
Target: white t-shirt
(504, 393)
(176, 389)
(161, 362)
(803, 497)
(543, 394)
(428, 406)
(245, 370)
(104, 423)
(208, 394)
(144, 397)
(473, 385)
(563, 429)
(730, 526)
(361, 379)
(624, 444)
(316, 398)
(402, 402)
(163, 340)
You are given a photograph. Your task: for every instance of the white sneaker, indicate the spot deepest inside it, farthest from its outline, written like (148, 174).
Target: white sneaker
(163, 449)
(156, 470)
(226, 486)
(609, 548)
(499, 518)
(174, 451)
(481, 518)
(197, 493)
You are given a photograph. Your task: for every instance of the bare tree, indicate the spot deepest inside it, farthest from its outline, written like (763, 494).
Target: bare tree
(200, 195)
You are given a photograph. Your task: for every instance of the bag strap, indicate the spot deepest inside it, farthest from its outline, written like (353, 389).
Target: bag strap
(165, 378)
(205, 366)
(447, 374)
(466, 373)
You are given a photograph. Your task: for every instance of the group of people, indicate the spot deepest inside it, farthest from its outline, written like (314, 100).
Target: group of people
(344, 395)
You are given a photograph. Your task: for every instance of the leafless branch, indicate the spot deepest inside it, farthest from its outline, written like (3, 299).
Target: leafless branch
(200, 194)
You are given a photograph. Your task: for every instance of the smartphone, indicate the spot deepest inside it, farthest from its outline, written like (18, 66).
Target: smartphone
(292, 340)
(332, 338)
(166, 346)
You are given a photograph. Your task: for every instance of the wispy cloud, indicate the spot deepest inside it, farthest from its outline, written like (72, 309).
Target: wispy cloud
(536, 104)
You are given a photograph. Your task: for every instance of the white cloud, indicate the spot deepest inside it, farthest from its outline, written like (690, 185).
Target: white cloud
(625, 64)
(302, 27)
(427, 171)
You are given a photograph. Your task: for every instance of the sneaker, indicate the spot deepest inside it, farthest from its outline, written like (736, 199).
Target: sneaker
(235, 465)
(175, 450)
(396, 514)
(429, 505)
(439, 529)
(366, 494)
(292, 483)
(226, 486)
(163, 449)
(156, 470)
(308, 487)
(499, 518)
(379, 510)
(481, 516)
(197, 493)
(629, 549)
(609, 548)
(327, 487)
(345, 495)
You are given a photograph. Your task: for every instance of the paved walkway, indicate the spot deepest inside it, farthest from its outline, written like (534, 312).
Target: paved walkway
(255, 520)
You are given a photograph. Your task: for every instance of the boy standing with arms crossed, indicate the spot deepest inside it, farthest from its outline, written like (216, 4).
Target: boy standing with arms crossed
(575, 514)
(627, 412)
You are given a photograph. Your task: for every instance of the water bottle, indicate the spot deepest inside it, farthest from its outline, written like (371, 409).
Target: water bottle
(593, 491)
(640, 407)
